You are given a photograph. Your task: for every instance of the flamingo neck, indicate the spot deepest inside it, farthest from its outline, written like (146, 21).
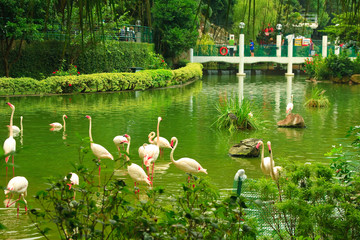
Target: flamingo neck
(64, 122)
(21, 124)
(158, 134)
(90, 136)
(151, 136)
(128, 149)
(172, 151)
(262, 155)
(272, 173)
(11, 121)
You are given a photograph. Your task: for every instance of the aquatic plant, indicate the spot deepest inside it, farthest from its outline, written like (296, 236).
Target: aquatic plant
(234, 115)
(317, 98)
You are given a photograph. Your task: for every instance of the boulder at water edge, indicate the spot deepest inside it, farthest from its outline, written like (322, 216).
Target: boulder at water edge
(355, 78)
(246, 148)
(292, 121)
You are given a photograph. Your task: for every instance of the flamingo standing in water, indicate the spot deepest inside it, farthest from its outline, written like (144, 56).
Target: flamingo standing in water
(10, 143)
(58, 126)
(164, 143)
(138, 175)
(16, 129)
(275, 171)
(120, 141)
(265, 164)
(290, 106)
(188, 165)
(74, 180)
(150, 152)
(99, 151)
(17, 185)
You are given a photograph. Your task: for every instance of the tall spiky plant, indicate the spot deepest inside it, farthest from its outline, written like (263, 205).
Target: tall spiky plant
(317, 98)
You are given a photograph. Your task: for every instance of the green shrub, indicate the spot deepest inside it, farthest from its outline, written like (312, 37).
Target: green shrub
(101, 82)
(339, 66)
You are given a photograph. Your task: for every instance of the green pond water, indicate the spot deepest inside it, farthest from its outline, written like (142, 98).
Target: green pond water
(188, 113)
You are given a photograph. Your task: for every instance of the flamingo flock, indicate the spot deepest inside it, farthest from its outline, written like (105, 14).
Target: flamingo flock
(149, 153)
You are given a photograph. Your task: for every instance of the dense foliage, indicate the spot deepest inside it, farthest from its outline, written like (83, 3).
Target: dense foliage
(334, 67)
(101, 82)
(316, 98)
(174, 29)
(40, 59)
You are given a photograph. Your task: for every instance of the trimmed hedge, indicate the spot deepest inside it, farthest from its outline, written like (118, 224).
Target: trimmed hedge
(40, 59)
(101, 82)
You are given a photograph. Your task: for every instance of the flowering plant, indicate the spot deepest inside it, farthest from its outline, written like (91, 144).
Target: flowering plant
(73, 71)
(157, 62)
(313, 65)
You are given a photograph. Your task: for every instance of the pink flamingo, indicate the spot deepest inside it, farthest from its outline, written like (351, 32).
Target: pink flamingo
(164, 143)
(120, 141)
(188, 165)
(57, 125)
(290, 106)
(266, 163)
(10, 143)
(138, 175)
(17, 185)
(150, 152)
(99, 151)
(275, 171)
(74, 180)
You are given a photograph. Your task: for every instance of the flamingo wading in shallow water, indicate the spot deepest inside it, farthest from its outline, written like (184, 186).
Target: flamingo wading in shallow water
(10, 143)
(275, 171)
(265, 164)
(99, 151)
(138, 175)
(57, 125)
(17, 185)
(16, 129)
(188, 165)
(120, 141)
(164, 143)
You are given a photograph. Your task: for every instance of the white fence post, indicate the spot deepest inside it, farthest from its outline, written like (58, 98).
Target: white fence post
(324, 46)
(290, 56)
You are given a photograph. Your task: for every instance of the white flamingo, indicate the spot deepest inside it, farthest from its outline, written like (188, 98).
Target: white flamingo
(120, 141)
(19, 186)
(188, 165)
(16, 129)
(290, 106)
(57, 125)
(10, 143)
(99, 151)
(265, 164)
(275, 171)
(138, 175)
(74, 180)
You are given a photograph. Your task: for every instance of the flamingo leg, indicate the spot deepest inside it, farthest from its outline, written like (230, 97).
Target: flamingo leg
(13, 166)
(119, 151)
(152, 173)
(99, 173)
(6, 173)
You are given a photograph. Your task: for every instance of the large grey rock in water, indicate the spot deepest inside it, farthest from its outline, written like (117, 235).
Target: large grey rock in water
(246, 148)
(292, 121)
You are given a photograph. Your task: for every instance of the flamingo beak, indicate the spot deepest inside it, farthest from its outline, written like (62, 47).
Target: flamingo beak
(172, 144)
(87, 116)
(65, 116)
(258, 145)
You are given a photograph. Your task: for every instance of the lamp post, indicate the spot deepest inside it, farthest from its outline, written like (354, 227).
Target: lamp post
(278, 40)
(241, 50)
(138, 30)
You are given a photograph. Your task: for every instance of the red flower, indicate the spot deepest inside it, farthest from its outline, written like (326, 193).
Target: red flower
(75, 66)
(162, 60)
(70, 84)
(78, 72)
(53, 72)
